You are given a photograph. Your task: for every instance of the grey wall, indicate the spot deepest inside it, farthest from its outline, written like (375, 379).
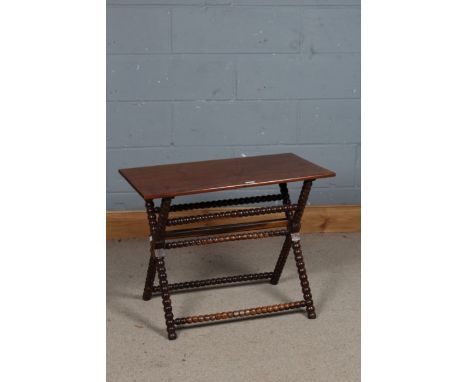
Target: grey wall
(195, 79)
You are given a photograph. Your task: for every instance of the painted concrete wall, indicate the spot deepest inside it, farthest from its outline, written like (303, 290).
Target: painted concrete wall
(193, 80)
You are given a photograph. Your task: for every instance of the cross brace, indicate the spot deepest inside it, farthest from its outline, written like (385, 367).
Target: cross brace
(158, 221)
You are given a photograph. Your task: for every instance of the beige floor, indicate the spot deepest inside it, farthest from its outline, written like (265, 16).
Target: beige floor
(287, 347)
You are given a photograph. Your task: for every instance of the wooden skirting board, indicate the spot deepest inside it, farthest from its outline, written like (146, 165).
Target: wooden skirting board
(334, 218)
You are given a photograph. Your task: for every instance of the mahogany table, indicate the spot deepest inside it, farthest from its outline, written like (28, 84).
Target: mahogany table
(166, 182)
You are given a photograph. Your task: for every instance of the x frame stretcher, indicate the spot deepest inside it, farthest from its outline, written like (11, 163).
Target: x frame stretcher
(162, 240)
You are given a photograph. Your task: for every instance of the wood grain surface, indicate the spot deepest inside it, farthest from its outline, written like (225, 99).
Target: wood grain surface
(172, 180)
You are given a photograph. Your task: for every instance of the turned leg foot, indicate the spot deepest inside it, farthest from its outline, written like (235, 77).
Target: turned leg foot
(147, 294)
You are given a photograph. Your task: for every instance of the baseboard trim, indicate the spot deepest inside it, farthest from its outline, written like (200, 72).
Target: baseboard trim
(331, 218)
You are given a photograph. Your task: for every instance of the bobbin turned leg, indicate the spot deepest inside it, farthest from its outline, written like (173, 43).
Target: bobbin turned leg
(309, 303)
(157, 264)
(161, 267)
(167, 304)
(296, 246)
(287, 241)
(293, 227)
(151, 272)
(294, 240)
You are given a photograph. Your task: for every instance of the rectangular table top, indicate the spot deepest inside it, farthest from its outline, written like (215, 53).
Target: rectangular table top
(172, 180)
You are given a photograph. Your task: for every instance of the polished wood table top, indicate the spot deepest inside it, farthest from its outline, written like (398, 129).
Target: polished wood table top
(173, 180)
